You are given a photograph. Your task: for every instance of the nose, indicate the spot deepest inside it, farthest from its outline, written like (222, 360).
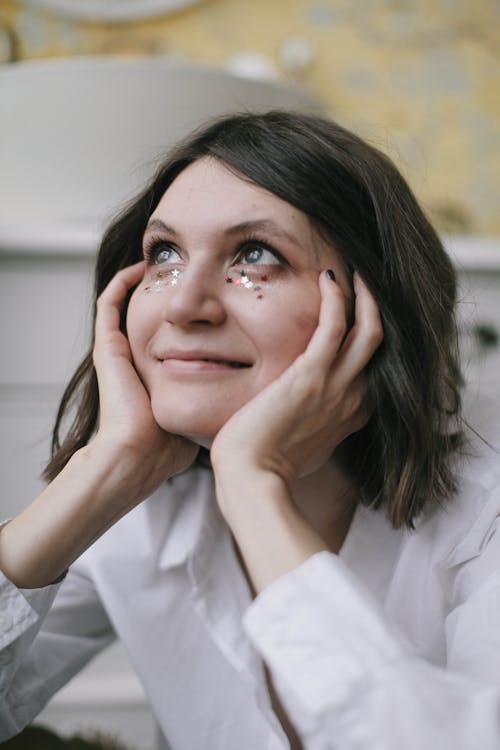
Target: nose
(197, 298)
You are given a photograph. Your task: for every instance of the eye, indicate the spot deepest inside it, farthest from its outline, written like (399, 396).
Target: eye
(161, 252)
(258, 253)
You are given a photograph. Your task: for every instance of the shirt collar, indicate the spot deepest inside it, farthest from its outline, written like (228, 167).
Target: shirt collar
(178, 512)
(185, 516)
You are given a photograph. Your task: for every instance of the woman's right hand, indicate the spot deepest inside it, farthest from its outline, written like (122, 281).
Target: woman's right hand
(126, 420)
(122, 465)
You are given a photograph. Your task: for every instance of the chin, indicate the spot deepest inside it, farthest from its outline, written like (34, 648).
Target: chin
(193, 425)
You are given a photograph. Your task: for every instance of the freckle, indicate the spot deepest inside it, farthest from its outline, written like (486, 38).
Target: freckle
(228, 280)
(264, 278)
(260, 296)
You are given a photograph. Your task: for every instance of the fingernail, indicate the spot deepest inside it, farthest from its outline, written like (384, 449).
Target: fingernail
(330, 274)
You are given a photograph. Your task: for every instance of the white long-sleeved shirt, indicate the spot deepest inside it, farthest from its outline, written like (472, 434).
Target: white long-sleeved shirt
(394, 643)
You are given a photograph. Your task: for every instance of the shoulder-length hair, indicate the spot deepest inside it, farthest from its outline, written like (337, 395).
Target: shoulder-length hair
(356, 198)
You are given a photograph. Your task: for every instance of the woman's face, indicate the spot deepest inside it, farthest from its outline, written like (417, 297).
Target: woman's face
(229, 299)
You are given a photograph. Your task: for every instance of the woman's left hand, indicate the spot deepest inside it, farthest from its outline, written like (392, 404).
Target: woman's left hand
(294, 425)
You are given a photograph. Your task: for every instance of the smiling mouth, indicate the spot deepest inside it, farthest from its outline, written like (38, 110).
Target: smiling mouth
(202, 363)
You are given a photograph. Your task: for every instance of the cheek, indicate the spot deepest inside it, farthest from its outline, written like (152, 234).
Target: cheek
(296, 335)
(302, 312)
(281, 324)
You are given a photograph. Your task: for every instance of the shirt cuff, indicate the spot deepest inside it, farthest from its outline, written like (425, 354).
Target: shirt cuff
(322, 634)
(20, 609)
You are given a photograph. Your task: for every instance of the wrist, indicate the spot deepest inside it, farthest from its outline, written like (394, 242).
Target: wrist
(127, 471)
(248, 496)
(272, 535)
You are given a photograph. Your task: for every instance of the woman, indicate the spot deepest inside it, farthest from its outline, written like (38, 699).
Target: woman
(329, 578)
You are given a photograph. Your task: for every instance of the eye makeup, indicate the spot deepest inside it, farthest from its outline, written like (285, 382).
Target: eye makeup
(162, 279)
(166, 269)
(251, 279)
(247, 279)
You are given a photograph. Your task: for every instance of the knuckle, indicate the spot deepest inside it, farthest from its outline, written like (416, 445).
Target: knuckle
(351, 405)
(95, 356)
(338, 327)
(375, 333)
(101, 300)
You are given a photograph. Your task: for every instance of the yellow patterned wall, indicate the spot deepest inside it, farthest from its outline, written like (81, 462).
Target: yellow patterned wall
(420, 78)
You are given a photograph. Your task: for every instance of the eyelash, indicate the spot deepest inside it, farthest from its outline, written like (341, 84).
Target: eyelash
(154, 244)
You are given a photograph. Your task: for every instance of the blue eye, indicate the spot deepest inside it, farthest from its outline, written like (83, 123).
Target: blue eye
(258, 254)
(161, 253)
(165, 256)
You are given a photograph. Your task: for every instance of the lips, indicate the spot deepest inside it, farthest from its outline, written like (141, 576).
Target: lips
(198, 357)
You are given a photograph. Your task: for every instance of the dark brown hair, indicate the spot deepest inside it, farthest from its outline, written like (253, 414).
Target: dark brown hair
(360, 203)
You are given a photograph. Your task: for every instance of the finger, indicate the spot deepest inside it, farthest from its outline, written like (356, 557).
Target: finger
(111, 299)
(332, 324)
(365, 336)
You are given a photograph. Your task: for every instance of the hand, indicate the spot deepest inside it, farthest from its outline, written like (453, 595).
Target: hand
(295, 424)
(126, 419)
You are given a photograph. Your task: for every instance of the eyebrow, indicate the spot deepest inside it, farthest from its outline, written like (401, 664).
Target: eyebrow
(159, 224)
(256, 225)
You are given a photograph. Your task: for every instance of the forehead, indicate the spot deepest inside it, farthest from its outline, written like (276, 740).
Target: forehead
(209, 190)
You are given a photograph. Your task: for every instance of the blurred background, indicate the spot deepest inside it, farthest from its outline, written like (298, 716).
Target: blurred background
(421, 77)
(93, 91)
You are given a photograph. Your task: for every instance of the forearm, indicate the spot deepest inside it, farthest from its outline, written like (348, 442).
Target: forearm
(94, 489)
(271, 534)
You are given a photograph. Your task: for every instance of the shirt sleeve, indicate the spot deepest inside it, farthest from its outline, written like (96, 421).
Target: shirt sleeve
(46, 636)
(349, 680)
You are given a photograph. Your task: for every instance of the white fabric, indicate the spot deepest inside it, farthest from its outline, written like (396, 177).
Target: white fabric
(393, 644)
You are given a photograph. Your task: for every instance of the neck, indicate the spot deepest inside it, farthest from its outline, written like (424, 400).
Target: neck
(327, 500)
